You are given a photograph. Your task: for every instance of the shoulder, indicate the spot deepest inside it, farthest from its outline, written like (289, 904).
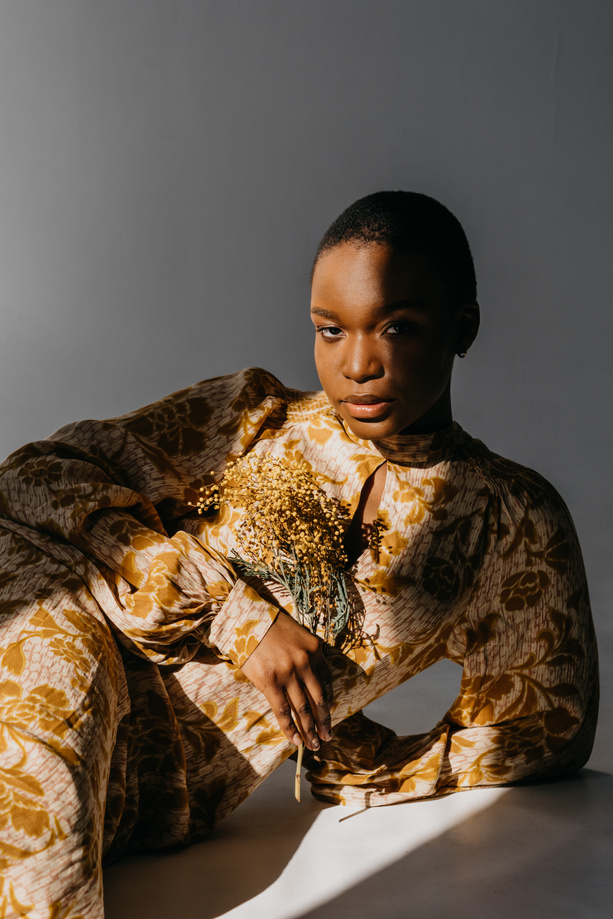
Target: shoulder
(219, 416)
(518, 490)
(217, 400)
(220, 411)
(528, 536)
(254, 386)
(243, 388)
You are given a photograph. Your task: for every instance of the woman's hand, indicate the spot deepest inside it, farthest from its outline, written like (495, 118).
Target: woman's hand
(289, 667)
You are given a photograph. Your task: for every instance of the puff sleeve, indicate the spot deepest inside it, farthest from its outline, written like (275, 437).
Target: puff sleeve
(115, 492)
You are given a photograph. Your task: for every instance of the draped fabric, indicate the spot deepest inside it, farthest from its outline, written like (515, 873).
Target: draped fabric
(126, 723)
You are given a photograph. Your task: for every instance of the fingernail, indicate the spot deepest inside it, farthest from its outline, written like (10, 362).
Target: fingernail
(314, 744)
(297, 739)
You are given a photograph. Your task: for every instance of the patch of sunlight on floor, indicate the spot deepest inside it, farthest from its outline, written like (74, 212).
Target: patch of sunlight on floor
(333, 851)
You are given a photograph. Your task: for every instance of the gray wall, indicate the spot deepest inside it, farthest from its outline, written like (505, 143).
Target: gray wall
(167, 167)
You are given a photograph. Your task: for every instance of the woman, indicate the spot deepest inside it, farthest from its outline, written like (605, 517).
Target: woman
(147, 689)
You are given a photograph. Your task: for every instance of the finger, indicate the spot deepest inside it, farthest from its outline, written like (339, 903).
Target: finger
(324, 675)
(326, 682)
(320, 695)
(322, 671)
(282, 711)
(303, 715)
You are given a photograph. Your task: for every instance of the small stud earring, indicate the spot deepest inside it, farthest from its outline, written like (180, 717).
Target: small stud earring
(462, 353)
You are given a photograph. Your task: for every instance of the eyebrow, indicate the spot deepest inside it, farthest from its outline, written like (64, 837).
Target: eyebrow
(384, 310)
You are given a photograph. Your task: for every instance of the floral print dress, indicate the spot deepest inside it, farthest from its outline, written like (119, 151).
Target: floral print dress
(126, 723)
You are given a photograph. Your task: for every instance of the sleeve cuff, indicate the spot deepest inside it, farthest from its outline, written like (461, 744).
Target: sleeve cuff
(241, 624)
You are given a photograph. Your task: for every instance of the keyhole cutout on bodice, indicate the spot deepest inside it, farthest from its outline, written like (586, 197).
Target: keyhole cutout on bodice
(358, 535)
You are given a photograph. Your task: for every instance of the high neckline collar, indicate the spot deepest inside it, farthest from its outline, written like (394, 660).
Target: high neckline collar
(412, 449)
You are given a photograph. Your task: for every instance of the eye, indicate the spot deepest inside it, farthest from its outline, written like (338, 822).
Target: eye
(400, 327)
(328, 332)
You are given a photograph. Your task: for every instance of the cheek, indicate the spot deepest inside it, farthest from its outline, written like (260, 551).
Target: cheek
(425, 375)
(322, 366)
(324, 359)
(434, 357)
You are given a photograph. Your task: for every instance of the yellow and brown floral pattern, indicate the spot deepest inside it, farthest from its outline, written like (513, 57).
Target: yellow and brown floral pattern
(126, 723)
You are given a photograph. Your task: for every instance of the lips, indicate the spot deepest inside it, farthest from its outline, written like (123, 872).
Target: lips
(365, 399)
(367, 406)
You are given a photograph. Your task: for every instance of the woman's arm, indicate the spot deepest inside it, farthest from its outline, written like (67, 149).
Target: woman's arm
(528, 703)
(115, 490)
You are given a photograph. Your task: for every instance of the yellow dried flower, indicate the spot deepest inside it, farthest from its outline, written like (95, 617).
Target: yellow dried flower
(291, 532)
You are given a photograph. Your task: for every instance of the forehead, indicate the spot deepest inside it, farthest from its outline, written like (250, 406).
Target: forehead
(374, 275)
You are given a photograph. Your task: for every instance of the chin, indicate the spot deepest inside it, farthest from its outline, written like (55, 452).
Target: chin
(373, 430)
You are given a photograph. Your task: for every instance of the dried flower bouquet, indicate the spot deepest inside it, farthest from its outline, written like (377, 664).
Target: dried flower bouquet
(291, 533)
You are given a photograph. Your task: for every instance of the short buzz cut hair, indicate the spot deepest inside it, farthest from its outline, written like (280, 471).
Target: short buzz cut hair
(411, 222)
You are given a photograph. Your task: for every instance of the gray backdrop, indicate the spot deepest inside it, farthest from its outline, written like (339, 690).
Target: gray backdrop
(168, 166)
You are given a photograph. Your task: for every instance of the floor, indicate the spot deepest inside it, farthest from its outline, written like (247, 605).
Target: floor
(530, 852)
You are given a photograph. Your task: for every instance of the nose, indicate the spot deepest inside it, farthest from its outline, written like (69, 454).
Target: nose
(361, 362)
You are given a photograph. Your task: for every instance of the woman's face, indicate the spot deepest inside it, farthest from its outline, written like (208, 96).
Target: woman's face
(385, 339)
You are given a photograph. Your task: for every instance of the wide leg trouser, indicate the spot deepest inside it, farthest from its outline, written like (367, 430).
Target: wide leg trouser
(62, 693)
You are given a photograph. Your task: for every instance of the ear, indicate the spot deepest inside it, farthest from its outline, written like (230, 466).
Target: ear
(467, 326)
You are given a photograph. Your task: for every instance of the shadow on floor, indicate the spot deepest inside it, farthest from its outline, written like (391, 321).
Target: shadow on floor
(536, 851)
(543, 850)
(243, 857)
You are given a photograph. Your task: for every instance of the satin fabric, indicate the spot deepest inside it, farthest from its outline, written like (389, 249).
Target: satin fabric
(126, 723)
